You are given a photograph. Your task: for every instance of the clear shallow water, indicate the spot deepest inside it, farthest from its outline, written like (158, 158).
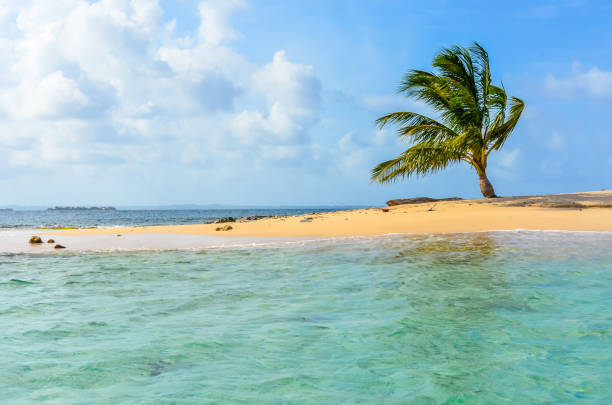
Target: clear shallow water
(516, 317)
(88, 218)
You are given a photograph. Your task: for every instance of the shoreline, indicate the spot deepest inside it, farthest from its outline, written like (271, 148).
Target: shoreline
(579, 212)
(590, 211)
(164, 242)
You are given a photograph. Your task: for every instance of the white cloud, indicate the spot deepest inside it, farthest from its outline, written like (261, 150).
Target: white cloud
(110, 82)
(5, 11)
(288, 83)
(504, 164)
(280, 131)
(54, 95)
(356, 154)
(594, 82)
(215, 27)
(508, 158)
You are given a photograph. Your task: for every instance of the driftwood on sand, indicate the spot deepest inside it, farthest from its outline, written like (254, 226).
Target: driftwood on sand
(419, 200)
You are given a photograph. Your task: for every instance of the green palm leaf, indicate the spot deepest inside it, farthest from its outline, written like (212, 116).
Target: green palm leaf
(422, 158)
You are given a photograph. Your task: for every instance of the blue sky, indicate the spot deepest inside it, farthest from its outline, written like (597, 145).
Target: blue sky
(273, 102)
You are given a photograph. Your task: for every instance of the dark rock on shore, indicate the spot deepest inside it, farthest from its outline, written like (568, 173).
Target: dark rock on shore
(50, 241)
(419, 200)
(36, 239)
(58, 246)
(254, 217)
(224, 220)
(241, 219)
(224, 228)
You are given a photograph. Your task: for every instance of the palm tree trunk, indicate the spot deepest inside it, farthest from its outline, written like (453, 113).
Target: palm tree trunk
(486, 188)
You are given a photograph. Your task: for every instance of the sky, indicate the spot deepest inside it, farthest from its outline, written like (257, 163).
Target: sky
(246, 102)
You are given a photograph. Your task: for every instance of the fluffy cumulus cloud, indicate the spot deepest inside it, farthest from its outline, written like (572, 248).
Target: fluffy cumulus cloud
(594, 82)
(111, 82)
(292, 94)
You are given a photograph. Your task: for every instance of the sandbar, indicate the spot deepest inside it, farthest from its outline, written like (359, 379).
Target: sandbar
(586, 211)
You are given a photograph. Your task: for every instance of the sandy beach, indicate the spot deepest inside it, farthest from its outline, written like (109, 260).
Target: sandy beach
(587, 211)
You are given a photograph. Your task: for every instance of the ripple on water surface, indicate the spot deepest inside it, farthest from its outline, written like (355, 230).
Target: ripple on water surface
(465, 318)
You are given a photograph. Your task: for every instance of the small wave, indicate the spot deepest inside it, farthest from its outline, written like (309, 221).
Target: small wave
(18, 281)
(15, 282)
(518, 230)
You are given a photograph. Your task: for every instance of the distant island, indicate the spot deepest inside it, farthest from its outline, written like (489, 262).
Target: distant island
(82, 209)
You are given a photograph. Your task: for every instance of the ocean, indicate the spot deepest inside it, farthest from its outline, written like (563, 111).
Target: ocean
(490, 317)
(19, 219)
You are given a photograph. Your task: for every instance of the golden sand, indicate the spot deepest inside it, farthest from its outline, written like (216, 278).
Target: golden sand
(590, 211)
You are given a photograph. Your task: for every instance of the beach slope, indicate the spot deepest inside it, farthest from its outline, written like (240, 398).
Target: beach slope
(588, 211)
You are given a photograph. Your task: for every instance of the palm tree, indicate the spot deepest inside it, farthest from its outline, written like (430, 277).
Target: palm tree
(475, 118)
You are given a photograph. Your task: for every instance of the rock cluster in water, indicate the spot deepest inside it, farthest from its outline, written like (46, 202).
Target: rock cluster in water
(253, 218)
(249, 218)
(35, 239)
(225, 220)
(244, 219)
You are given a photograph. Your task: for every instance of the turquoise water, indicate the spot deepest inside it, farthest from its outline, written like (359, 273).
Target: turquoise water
(522, 317)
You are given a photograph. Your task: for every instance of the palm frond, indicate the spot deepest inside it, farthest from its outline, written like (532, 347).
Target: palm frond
(406, 118)
(456, 63)
(499, 134)
(420, 159)
(443, 94)
(497, 99)
(469, 140)
(483, 77)
(497, 103)
(418, 127)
